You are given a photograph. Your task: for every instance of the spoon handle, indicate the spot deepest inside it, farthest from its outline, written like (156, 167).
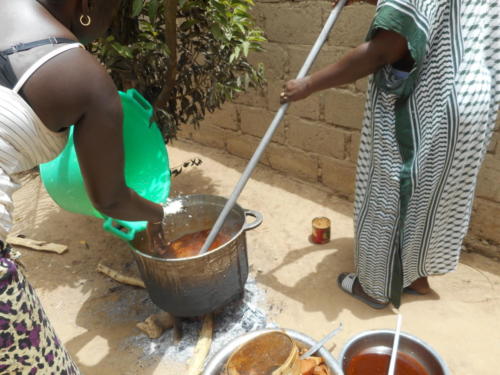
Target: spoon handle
(321, 342)
(392, 364)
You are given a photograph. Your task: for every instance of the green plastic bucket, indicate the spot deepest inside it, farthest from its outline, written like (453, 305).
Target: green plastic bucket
(146, 168)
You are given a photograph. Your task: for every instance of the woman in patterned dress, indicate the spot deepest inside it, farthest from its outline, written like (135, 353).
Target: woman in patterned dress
(430, 113)
(48, 82)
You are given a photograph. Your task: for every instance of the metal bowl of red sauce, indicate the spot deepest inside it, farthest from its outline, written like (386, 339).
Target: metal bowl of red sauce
(368, 353)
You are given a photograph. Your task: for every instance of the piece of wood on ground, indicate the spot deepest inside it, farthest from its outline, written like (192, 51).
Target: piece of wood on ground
(121, 278)
(37, 245)
(155, 325)
(202, 346)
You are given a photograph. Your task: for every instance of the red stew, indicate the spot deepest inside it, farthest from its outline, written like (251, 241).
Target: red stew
(370, 363)
(190, 244)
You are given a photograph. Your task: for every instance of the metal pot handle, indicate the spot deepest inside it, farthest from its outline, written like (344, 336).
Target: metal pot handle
(254, 224)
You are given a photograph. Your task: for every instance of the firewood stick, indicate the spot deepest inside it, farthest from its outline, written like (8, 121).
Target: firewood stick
(155, 325)
(37, 245)
(117, 276)
(177, 330)
(202, 346)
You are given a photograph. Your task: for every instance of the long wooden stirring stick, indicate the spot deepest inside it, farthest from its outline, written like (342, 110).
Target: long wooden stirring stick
(271, 130)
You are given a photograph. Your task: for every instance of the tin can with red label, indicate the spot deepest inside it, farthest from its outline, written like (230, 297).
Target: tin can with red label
(320, 230)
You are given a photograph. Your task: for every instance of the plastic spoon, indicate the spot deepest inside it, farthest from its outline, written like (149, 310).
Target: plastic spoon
(394, 355)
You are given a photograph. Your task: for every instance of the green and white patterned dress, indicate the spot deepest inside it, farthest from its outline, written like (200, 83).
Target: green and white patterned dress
(423, 140)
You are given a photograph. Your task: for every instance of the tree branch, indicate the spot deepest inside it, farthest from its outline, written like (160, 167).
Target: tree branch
(171, 40)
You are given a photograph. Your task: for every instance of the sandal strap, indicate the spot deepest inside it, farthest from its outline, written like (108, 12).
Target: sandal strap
(348, 282)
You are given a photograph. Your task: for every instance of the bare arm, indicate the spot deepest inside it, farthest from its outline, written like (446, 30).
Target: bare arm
(99, 145)
(73, 88)
(386, 47)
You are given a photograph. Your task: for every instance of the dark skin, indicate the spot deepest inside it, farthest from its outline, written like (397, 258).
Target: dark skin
(73, 88)
(385, 48)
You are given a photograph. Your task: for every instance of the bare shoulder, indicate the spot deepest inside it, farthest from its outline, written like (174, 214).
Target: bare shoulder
(89, 76)
(75, 83)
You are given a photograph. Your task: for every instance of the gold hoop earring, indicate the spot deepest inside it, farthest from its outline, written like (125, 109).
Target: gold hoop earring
(85, 20)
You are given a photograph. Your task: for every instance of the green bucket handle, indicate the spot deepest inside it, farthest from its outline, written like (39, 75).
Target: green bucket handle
(139, 99)
(125, 230)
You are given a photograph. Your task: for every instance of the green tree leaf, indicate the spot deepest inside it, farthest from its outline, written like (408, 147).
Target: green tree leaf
(245, 46)
(137, 6)
(153, 10)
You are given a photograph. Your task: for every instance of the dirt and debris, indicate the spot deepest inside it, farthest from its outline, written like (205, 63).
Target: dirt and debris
(237, 319)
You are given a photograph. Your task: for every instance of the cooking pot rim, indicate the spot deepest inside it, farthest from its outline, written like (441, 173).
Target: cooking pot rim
(242, 230)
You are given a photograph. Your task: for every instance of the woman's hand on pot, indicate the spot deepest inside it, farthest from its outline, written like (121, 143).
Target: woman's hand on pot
(296, 89)
(156, 239)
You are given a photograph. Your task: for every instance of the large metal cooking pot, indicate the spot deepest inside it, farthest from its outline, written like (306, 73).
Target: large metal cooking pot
(194, 286)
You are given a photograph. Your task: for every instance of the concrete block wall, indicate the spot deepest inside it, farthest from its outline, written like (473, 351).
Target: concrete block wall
(484, 231)
(318, 140)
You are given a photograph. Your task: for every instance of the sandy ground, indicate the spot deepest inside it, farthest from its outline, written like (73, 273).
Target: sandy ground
(96, 317)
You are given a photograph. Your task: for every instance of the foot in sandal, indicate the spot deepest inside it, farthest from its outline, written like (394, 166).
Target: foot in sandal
(420, 287)
(349, 283)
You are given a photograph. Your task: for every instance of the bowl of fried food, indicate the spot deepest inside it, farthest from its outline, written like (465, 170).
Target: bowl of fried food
(272, 352)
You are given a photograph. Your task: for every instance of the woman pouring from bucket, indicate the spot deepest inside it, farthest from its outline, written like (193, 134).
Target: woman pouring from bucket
(48, 82)
(430, 113)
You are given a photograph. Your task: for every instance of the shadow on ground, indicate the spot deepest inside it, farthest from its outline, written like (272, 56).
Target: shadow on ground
(318, 291)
